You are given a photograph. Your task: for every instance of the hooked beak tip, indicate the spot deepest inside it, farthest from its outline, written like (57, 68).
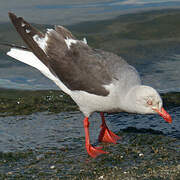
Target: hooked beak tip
(164, 115)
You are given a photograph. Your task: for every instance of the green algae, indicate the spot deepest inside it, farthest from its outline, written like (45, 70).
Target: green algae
(21, 102)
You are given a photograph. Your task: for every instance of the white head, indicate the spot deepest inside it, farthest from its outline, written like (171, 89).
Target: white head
(145, 100)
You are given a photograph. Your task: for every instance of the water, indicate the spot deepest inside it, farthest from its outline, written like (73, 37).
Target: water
(159, 72)
(52, 146)
(68, 12)
(44, 131)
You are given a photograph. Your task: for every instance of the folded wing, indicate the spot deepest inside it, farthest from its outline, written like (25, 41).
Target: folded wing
(70, 60)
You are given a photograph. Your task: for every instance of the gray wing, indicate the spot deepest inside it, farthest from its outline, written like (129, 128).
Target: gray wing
(78, 67)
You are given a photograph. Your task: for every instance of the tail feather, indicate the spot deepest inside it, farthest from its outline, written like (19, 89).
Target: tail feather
(26, 57)
(29, 58)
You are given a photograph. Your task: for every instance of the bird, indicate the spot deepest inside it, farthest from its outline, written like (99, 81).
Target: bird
(97, 80)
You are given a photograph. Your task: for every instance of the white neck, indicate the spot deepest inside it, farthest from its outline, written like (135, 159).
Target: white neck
(129, 99)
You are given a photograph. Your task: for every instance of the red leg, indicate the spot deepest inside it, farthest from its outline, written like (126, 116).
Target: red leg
(105, 134)
(92, 151)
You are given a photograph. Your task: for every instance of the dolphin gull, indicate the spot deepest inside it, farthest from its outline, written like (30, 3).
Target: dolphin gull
(98, 81)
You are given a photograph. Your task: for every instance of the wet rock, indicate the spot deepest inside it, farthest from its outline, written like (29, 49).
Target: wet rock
(19, 102)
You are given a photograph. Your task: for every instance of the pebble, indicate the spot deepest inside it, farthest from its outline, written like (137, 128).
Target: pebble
(10, 173)
(141, 154)
(52, 167)
(101, 177)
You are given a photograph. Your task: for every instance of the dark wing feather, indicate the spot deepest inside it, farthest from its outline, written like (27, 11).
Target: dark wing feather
(62, 31)
(79, 68)
(22, 28)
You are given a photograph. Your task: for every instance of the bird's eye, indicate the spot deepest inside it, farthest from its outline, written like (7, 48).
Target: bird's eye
(149, 102)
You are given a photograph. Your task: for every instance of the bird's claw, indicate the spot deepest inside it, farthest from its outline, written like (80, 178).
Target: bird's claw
(107, 136)
(94, 151)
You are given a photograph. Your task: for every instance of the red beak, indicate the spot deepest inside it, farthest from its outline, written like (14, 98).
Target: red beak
(164, 114)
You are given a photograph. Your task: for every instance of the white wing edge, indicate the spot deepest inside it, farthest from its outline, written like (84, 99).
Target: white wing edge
(29, 58)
